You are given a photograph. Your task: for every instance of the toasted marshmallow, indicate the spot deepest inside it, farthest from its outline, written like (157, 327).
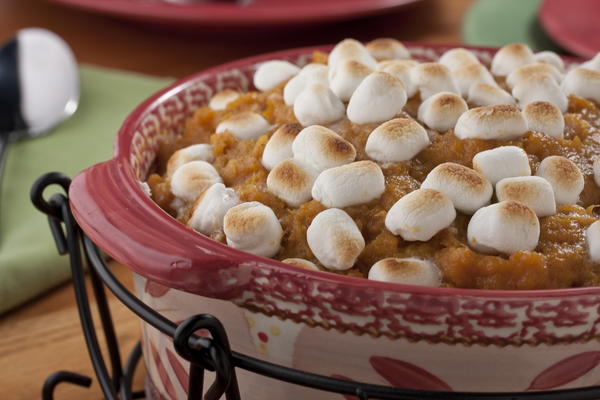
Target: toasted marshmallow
(279, 146)
(318, 105)
(220, 100)
(583, 83)
(387, 49)
(193, 178)
(271, 73)
(347, 185)
(467, 188)
(442, 110)
(350, 49)
(533, 191)
(506, 227)
(420, 214)
(458, 58)
(322, 148)
(334, 239)
(379, 97)
(564, 176)
(596, 168)
(345, 78)
(302, 263)
(195, 152)
(511, 57)
(292, 180)
(253, 227)
(309, 75)
(468, 75)
(401, 70)
(533, 72)
(501, 122)
(541, 88)
(409, 271)
(484, 94)
(544, 117)
(502, 162)
(399, 139)
(592, 237)
(210, 208)
(550, 58)
(593, 64)
(431, 78)
(246, 125)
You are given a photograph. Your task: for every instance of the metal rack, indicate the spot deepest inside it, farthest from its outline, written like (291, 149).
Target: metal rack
(203, 353)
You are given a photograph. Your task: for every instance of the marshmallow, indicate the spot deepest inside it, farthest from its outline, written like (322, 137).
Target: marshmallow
(401, 70)
(550, 58)
(593, 64)
(253, 227)
(146, 188)
(309, 75)
(458, 58)
(442, 110)
(532, 191)
(564, 176)
(292, 180)
(583, 83)
(345, 78)
(540, 88)
(279, 146)
(511, 57)
(544, 117)
(210, 208)
(350, 49)
(387, 49)
(379, 97)
(468, 75)
(467, 188)
(334, 239)
(431, 78)
(220, 100)
(484, 94)
(501, 122)
(502, 162)
(195, 152)
(322, 148)
(271, 73)
(533, 71)
(318, 105)
(399, 139)
(596, 168)
(347, 185)
(301, 262)
(246, 125)
(193, 178)
(592, 237)
(408, 271)
(506, 227)
(420, 214)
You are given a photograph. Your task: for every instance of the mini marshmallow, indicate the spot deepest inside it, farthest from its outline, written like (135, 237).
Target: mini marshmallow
(502, 162)
(379, 97)
(533, 71)
(309, 75)
(544, 117)
(271, 73)
(506, 227)
(511, 57)
(322, 148)
(399, 139)
(408, 271)
(458, 58)
(564, 176)
(220, 100)
(540, 88)
(401, 70)
(246, 125)
(345, 78)
(442, 110)
(420, 215)
(467, 188)
(193, 178)
(551, 58)
(593, 64)
(302, 263)
(596, 168)
(484, 94)
(210, 208)
(533, 191)
(347, 185)
(334, 239)
(253, 227)
(592, 237)
(318, 105)
(468, 75)
(501, 122)
(431, 78)
(350, 49)
(146, 188)
(292, 180)
(279, 146)
(583, 83)
(387, 49)
(195, 152)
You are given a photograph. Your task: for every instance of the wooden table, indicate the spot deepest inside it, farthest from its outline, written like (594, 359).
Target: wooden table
(44, 335)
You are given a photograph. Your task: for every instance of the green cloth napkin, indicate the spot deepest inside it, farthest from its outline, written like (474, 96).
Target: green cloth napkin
(496, 23)
(29, 263)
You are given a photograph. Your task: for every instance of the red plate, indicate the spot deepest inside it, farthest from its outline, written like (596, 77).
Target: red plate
(573, 24)
(256, 13)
